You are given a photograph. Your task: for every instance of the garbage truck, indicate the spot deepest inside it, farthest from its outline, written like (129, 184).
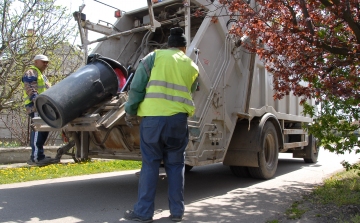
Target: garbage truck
(236, 122)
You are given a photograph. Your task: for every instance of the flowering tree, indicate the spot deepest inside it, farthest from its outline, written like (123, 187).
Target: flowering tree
(316, 42)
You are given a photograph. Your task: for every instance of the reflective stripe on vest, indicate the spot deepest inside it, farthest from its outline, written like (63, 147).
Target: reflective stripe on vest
(170, 98)
(41, 84)
(167, 85)
(169, 93)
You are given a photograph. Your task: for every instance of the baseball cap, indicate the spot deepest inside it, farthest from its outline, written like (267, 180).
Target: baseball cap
(41, 57)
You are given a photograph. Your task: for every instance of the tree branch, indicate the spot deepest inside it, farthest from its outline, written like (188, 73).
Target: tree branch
(307, 17)
(326, 3)
(292, 12)
(3, 46)
(24, 16)
(355, 27)
(346, 15)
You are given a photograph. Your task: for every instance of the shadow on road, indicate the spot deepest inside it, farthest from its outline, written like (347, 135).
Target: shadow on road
(212, 194)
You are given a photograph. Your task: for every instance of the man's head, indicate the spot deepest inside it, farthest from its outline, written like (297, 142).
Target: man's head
(41, 62)
(177, 38)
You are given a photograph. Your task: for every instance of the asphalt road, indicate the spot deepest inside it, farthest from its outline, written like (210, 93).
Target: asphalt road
(212, 194)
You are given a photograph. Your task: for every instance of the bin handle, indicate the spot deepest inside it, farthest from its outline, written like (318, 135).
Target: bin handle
(97, 83)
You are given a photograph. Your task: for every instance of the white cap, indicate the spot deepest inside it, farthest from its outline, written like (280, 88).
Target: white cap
(41, 57)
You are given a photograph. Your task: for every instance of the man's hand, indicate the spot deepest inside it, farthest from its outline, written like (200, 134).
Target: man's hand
(131, 120)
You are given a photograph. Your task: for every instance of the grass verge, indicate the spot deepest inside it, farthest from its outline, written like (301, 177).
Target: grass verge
(23, 174)
(337, 198)
(341, 189)
(294, 212)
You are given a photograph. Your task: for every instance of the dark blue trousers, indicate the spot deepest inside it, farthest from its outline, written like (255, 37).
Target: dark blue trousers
(162, 138)
(37, 141)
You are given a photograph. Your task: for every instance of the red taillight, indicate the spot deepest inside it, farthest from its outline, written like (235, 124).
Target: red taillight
(117, 13)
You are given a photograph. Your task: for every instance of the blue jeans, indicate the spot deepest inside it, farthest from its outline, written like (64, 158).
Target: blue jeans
(37, 141)
(162, 138)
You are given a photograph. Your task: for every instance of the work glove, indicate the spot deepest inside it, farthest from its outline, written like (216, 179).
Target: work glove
(131, 120)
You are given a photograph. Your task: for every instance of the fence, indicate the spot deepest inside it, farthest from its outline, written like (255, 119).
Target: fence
(15, 130)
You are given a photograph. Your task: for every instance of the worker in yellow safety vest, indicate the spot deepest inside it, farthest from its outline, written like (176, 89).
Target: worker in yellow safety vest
(160, 93)
(34, 83)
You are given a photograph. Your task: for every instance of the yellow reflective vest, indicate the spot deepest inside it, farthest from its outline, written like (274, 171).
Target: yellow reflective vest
(168, 91)
(40, 84)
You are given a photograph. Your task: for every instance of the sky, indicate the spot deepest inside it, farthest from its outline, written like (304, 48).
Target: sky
(96, 11)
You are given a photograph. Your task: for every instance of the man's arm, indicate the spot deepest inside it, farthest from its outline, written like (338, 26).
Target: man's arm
(194, 86)
(138, 85)
(30, 84)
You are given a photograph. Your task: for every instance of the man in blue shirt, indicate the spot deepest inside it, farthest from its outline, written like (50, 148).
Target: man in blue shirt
(35, 82)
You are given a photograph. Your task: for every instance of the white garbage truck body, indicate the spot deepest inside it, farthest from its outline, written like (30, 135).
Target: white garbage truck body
(237, 122)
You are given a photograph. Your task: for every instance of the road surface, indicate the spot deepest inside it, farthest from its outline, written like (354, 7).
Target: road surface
(212, 194)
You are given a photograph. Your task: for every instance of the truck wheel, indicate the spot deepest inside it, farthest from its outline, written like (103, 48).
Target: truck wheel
(311, 150)
(268, 156)
(188, 168)
(240, 171)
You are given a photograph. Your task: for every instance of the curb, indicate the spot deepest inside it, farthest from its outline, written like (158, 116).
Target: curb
(22, 154)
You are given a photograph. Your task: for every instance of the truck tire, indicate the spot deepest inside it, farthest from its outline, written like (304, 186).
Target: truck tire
(240, 171)
(269, 154)
(311, 156)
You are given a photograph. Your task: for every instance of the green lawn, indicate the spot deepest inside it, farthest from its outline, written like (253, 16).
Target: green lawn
(23, 174)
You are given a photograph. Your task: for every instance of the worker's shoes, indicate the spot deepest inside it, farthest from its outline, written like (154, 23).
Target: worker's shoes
(47, 161)
(31, 162)
(175, 218)
(130, 215)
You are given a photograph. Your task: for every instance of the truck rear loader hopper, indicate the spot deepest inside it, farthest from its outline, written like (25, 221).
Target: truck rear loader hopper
(236, 122)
